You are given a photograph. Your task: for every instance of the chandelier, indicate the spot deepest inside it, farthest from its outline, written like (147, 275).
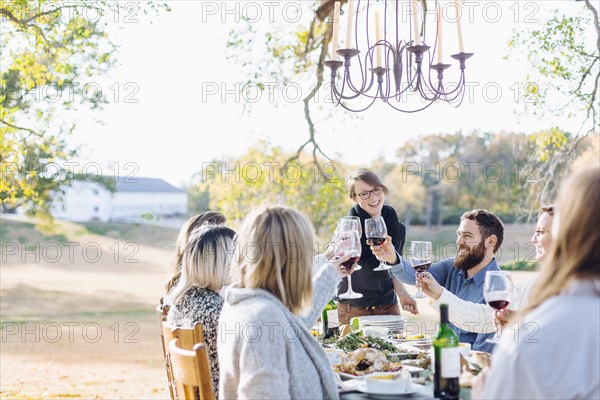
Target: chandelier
(393, 68)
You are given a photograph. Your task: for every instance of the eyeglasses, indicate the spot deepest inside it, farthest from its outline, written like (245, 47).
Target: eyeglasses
(367, 193)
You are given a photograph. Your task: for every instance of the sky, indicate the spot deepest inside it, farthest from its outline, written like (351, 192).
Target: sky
(173, 108)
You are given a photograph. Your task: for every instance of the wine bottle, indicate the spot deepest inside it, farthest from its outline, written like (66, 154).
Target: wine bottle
(446, 360)
(327, 333)
(325, 321)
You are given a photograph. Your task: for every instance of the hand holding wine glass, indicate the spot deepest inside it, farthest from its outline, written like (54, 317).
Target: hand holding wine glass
(420, 256)
(348, 246)
(497, 291)
(349, 223)
(376, 233)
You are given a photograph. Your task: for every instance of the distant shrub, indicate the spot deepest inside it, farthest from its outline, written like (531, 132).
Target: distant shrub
(521, 265)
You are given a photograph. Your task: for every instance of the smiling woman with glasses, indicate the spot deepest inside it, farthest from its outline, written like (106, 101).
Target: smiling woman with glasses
(378, 288)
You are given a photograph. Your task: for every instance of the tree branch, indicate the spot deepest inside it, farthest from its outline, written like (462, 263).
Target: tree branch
(596, 22)
(31, 131)
(311, 126)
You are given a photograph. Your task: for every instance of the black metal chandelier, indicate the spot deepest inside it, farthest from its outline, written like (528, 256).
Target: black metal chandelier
(393, 68)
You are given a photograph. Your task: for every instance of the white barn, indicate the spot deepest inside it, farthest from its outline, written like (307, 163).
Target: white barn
(91, 201)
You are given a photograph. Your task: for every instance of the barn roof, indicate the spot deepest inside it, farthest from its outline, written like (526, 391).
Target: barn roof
(136, 184)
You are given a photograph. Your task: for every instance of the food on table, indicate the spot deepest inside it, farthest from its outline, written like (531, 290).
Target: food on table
(423, 360)
(402, 336)
(365, 361)
(355, 341)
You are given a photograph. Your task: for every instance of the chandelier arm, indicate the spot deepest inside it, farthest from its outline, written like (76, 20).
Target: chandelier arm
(358, 109)
(411, 111)
(364, 75)
(458, 89)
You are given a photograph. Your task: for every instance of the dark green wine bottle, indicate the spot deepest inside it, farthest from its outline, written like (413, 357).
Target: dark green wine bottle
(446, 360)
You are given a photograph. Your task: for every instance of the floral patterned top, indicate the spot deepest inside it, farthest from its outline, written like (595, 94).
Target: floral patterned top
(204, 306)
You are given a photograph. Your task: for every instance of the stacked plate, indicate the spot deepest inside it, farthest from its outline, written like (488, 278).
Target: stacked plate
(395, 323)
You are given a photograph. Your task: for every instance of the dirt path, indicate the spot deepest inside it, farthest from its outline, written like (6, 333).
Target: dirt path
(80, 323)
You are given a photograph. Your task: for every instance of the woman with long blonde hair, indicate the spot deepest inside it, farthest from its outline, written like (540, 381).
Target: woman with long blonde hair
(195, 298)
(265, 347)
(555, 353)
(206, 217)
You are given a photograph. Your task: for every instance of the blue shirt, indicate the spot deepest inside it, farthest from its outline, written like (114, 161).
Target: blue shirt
(457, 282)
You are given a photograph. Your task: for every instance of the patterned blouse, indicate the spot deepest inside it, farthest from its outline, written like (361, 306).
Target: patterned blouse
(204, 306)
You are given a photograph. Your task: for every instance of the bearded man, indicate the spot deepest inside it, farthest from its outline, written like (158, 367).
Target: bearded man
(479, 237)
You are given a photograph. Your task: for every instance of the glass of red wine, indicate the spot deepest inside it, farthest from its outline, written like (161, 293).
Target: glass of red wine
(420, 255)
(350, 224)
(497, 290)
(376, 232)
(348, 244)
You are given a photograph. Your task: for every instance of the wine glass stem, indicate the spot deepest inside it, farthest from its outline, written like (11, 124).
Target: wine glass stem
(350, 284)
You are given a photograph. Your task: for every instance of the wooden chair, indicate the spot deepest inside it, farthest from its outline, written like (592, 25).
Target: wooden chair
(191, 371)
(188, 338)
(162, 310)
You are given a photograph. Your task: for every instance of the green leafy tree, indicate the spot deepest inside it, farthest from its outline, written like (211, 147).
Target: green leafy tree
(564, 65)
(49, 50)
(563, 55)
(264, 174)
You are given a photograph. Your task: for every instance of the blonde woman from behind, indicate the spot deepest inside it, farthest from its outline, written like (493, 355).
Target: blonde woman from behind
(265, 347)
(555, 354)
(195, 298)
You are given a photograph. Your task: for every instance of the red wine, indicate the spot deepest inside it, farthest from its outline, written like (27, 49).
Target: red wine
(499, 304)
(422, 267)
(349, 263)
(375, 241)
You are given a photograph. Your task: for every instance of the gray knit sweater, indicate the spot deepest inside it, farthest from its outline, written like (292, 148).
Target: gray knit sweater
(266, 352)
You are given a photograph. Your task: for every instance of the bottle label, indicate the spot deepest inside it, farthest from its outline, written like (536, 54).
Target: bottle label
(450, 362)
(332, 316)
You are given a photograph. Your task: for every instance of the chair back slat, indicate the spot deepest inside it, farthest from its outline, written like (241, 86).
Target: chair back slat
(161, 314)
(188, 337)
(191, 371)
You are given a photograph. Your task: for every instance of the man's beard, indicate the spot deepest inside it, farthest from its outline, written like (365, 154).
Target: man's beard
(473, 257)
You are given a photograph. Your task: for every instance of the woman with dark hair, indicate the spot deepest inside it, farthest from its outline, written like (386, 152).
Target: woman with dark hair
(378, 288)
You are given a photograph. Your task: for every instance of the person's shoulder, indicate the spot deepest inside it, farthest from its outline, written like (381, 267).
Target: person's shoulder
(198, 296)
(256, 309)
(389, 210)
(446, 263)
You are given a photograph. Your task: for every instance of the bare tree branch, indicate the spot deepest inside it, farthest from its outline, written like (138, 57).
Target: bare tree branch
(311, 126)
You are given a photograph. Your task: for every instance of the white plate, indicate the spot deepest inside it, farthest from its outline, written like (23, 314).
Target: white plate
(410, 368)
(361, 386)
(381, 320)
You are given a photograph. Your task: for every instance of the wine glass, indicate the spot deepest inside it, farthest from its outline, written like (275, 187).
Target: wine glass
(420, 256)
(348, 244)
(497, 289)
(350, 224)
(376, 232)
